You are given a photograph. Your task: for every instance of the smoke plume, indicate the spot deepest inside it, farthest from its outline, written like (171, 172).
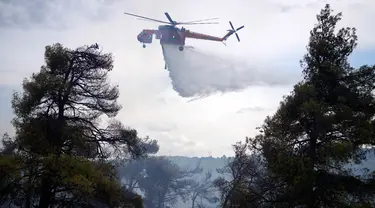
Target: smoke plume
(198, 74)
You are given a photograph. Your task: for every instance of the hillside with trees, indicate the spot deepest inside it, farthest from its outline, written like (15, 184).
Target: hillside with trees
(315, 151)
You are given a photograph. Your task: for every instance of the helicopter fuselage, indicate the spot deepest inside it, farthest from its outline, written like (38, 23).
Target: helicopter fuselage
(166, 33)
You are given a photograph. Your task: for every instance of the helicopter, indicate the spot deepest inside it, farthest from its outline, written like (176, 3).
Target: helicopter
(170, 34)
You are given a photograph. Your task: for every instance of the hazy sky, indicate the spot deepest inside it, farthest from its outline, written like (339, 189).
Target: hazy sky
(275, 35)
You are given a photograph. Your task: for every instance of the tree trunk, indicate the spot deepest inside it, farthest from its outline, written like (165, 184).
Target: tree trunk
(45, 197)
(193, 201)
(312, 155)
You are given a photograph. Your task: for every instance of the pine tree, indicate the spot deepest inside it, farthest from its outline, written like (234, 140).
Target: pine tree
(323, 125)
(320, 128)
(60, 153)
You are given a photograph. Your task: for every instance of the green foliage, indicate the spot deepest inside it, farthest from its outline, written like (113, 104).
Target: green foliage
(58, 155)
(319, 128)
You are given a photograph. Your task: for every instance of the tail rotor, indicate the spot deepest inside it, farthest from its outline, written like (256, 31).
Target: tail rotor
(235, 30)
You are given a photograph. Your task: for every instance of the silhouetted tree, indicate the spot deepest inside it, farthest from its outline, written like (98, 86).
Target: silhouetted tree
(132, 171)
(322, 126)
(59, 153)
(245, 180)
(161, 181)
(203, 191)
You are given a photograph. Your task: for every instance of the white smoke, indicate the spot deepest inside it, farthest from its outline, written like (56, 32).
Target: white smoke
(199, 74)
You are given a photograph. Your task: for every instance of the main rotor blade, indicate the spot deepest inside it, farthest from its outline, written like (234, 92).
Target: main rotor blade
(169, 18)
(199, 20)
(197, 23)
(155, 20)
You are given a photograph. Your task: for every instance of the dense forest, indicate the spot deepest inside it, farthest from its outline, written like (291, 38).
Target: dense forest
(314, 151)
